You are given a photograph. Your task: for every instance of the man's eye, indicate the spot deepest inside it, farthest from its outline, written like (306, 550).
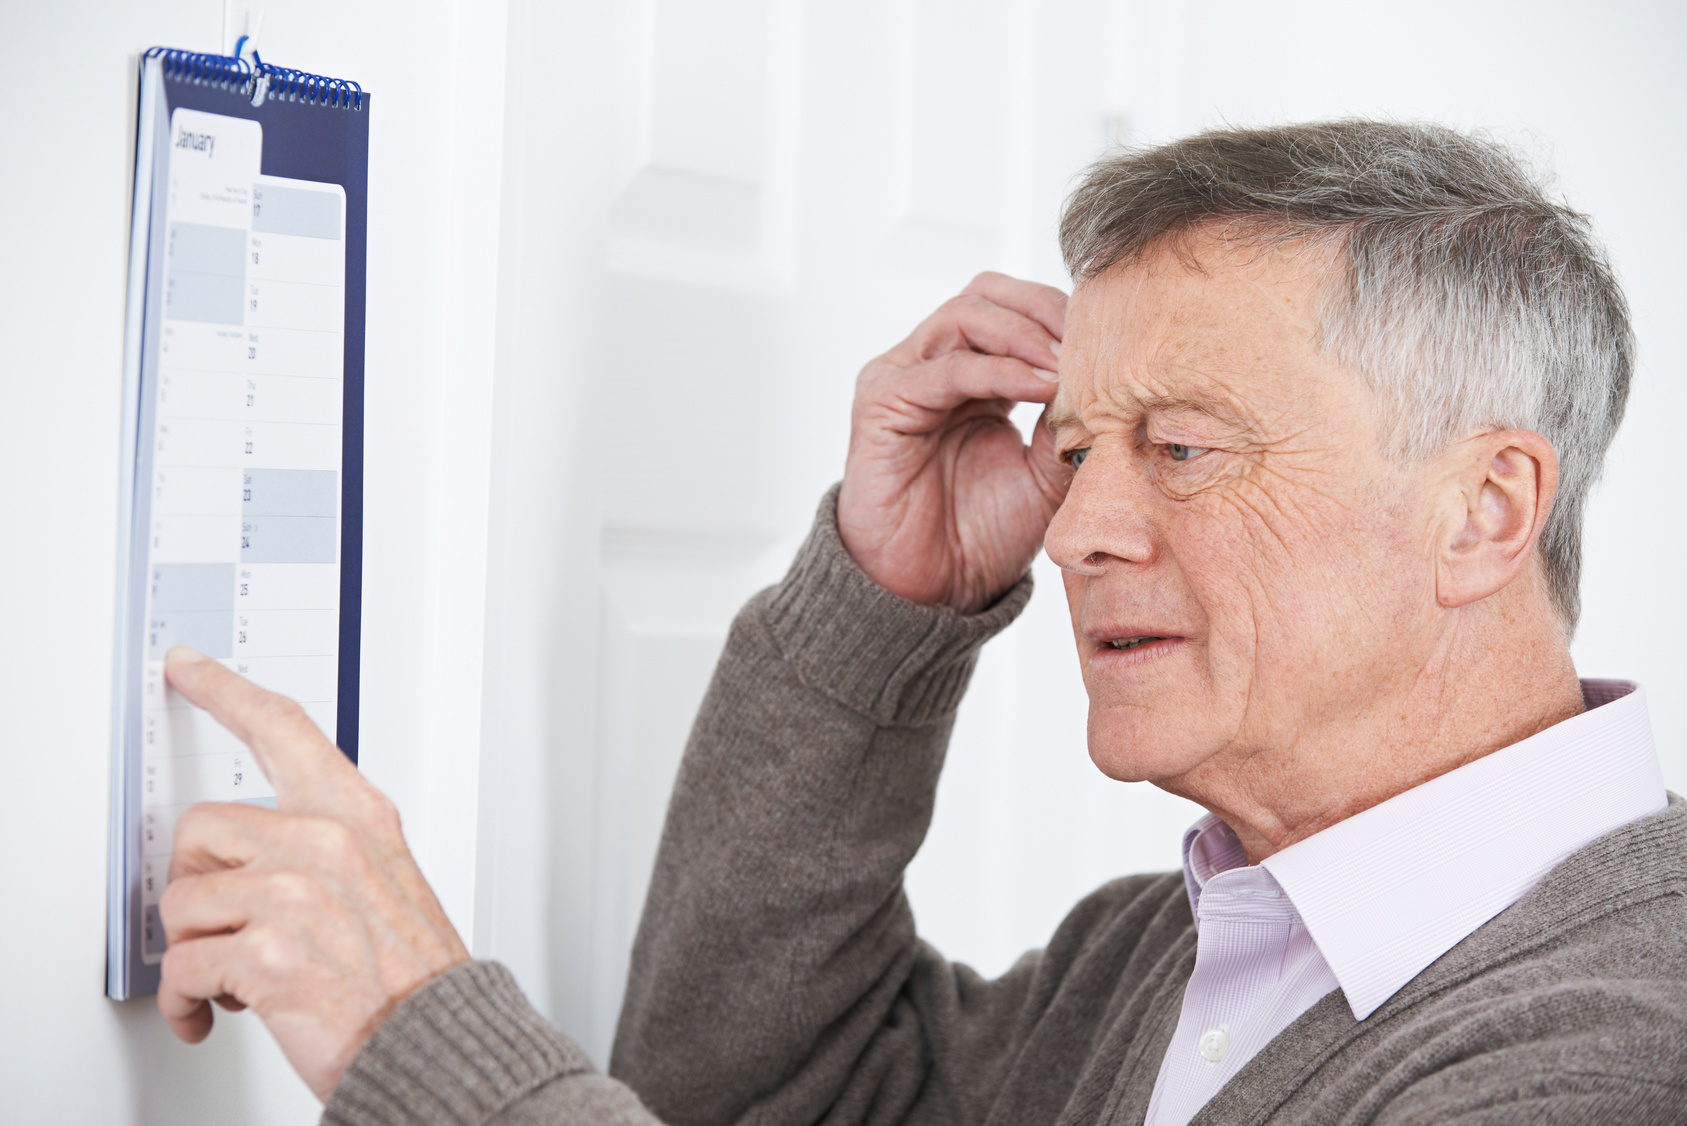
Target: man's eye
(1076, 457)
(1185, 453)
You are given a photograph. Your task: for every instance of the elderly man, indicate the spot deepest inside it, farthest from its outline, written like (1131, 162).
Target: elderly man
(1330, 401)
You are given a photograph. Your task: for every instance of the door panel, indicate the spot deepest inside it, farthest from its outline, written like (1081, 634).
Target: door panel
(709, 349)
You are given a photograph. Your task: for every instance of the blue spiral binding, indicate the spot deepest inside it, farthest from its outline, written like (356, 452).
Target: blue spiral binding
(222, 71)
(297, 86)
(259, 80)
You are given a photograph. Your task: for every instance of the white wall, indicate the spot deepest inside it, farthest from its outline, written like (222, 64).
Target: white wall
(67, 121)
(579, 392)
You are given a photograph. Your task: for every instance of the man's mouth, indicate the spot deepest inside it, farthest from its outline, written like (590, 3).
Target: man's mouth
(1132, 642)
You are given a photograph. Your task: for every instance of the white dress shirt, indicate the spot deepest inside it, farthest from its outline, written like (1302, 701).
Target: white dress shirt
(1367, 904)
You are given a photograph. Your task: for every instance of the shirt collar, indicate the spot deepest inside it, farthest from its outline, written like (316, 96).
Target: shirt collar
(1391, 889)
(1209, 847)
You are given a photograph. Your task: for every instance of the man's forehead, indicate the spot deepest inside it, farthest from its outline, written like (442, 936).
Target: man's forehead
(1223, 338)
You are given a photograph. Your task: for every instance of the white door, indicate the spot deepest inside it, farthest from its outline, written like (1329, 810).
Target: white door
(718, 213)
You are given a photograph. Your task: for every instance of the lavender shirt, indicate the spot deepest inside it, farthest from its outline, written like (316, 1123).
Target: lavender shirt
(1367, 904)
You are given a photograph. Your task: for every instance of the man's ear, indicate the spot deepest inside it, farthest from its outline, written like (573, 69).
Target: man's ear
(1499, 490)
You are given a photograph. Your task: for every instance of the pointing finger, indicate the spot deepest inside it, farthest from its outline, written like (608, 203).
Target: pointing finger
(292, 751)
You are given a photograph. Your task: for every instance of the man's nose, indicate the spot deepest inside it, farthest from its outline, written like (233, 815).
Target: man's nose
(1104, 520)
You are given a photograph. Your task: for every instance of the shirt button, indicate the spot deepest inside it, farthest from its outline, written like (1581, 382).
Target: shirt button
(1214, 1044)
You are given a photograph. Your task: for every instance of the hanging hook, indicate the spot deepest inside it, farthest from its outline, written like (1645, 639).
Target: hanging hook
(260, 79)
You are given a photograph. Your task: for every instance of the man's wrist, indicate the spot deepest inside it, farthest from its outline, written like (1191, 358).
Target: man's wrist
(901, 662)
(456, 1051)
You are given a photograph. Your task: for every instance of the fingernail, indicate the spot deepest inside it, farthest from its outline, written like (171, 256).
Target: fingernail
(1054, 346)
(1048, 375)
(185, 655)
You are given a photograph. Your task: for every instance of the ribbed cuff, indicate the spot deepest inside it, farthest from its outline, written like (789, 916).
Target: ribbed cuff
(457, 1051)
(901, 663)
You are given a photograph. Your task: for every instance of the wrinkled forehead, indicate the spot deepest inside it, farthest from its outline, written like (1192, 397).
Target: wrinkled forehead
(1231, 329)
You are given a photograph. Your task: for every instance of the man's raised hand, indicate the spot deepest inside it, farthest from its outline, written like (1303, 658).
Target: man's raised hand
(313, 913)
(942, 502)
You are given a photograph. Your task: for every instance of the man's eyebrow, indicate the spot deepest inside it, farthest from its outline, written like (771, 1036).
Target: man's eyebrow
(1168, 404)
(1060, 415)
(1213, 407)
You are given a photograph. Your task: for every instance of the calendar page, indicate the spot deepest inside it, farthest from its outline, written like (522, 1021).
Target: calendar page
(238, 474)
(240, 530)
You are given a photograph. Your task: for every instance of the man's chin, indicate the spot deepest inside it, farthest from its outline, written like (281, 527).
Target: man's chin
(1141, 746)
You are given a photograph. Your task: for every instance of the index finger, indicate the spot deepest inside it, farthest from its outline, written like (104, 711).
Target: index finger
(292, 751)
(1042, 303)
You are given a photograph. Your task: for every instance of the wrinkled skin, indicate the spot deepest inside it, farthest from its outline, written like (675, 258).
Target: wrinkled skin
(1322, 618)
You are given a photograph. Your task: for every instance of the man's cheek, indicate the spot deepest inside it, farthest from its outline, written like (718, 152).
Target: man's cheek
(1233, 561)
(1074, 587)
(1287, 554)
(1261, 617)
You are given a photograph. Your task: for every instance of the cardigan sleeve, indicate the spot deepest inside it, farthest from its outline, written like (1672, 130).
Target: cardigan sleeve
(777, 976)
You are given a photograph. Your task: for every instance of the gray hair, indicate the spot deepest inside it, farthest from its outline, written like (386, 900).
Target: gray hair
(1471, 300)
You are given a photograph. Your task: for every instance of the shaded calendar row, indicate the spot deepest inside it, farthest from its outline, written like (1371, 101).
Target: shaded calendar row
(287, 516)
(208, 264)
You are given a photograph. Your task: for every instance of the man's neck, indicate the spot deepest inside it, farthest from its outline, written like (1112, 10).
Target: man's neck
(1483, 685)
